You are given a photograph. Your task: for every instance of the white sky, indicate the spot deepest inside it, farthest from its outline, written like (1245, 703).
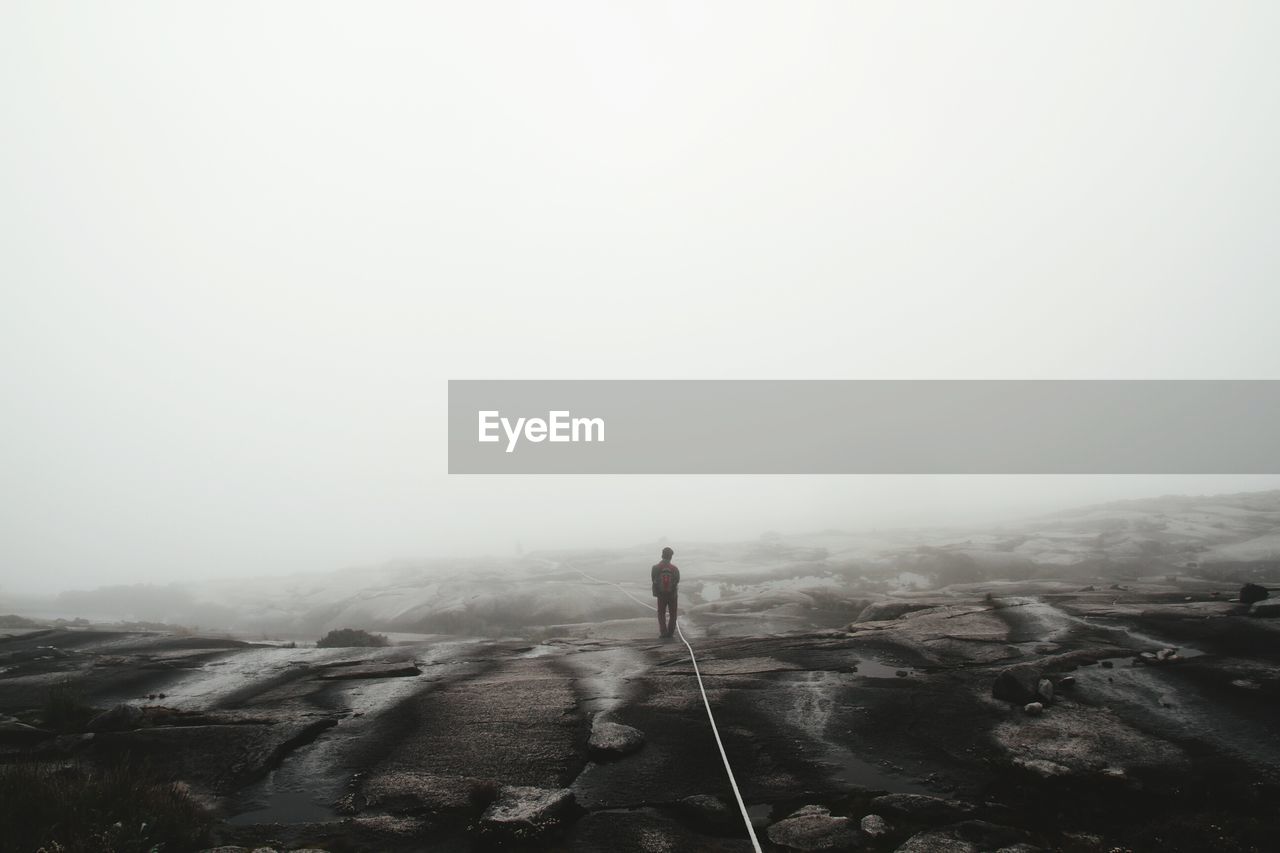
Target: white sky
(243, 246)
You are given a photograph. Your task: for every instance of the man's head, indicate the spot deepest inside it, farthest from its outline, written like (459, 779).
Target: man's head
(667, 553)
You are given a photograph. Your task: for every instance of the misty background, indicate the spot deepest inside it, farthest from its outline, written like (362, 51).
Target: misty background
(243, 247)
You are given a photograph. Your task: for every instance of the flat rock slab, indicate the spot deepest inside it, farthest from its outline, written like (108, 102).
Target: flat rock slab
(516, 724)
(526, 810)
(813, 828)
(1078, 740)
(401, 669)
(408, 791)
(219, 758)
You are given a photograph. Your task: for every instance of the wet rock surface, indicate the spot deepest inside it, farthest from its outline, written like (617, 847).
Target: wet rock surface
(595, 738)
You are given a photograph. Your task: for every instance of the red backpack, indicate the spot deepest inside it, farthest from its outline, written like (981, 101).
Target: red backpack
(666, 578)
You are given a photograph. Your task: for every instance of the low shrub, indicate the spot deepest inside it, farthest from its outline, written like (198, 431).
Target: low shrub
(346, 638)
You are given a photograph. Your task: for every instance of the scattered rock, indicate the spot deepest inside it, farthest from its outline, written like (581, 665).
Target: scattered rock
(1246, 684)
(874, 826)
(1106, 664)
(711, 812)
(525, 810)
(121, 718)
(613, 740)
(1044, 690)
(902, 673)
(1033, 709)
(1019, 683)
(813, 828)
(1066, 682)
(922, 807)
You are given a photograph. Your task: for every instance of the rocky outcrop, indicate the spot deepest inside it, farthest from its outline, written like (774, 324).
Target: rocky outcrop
(922, 808)
(1269, 609)
(119, 719)
(813, 828)
(1020, 683)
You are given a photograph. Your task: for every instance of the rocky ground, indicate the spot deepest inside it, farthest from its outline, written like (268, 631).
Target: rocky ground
(991, 716)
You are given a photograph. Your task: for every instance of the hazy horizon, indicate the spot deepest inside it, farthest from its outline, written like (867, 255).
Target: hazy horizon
(244, 248)
(923, 502)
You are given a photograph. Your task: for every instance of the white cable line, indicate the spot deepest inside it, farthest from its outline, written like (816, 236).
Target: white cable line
(742, 807)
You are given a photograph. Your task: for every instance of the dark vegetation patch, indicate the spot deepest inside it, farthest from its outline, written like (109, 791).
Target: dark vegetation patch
(77, 808)
(65, 709)
(352, 638)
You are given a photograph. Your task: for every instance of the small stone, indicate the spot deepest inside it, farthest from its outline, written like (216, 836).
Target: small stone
(1044, 690)
(1033, 709)
(1106, 664)
(1066, 682)
(902, 673)
(874, 826)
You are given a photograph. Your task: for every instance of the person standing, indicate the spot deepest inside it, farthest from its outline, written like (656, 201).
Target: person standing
(666, 583)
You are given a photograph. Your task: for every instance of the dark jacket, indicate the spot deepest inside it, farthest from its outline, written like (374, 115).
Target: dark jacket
(657, 570)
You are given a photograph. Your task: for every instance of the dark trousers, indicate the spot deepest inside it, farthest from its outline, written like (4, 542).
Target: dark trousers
(667, 601)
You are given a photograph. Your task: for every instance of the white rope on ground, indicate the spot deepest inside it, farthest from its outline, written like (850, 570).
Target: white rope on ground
(742, 807)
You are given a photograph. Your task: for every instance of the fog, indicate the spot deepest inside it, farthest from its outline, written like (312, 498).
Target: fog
(243, 248)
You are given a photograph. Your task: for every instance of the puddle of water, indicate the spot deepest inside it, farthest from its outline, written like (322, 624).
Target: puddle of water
(909, 582)
(875, 669)
(812, 711)
(286, 807)
(604, 677)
